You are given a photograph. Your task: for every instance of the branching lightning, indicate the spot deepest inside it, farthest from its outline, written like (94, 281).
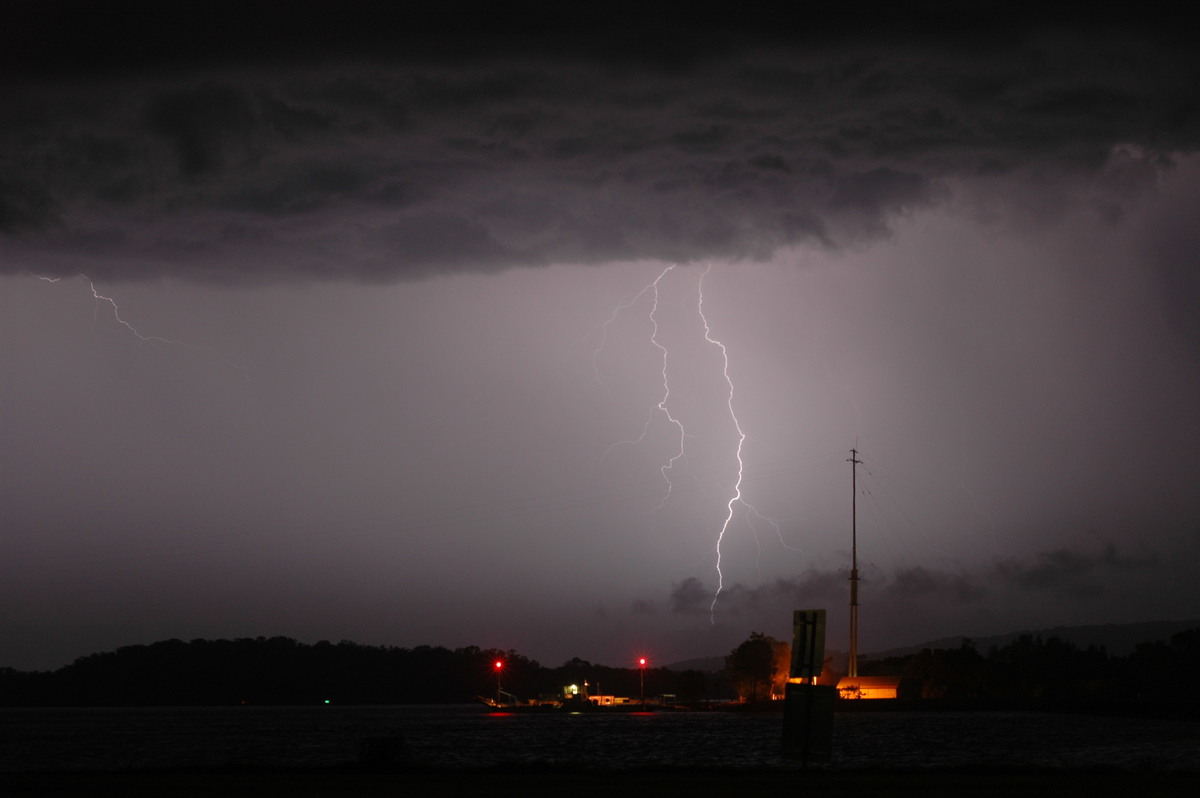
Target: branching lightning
(116, 313)
(662, 407)
(741, 439)
(736, 496)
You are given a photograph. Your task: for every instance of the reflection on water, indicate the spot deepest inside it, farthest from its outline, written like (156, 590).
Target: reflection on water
(151, 738)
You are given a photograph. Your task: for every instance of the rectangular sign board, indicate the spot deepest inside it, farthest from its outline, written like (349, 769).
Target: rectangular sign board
(808, 643)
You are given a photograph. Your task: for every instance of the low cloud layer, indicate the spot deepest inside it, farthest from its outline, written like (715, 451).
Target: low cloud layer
(1073, 573)
(1077, 574)
(720, 139)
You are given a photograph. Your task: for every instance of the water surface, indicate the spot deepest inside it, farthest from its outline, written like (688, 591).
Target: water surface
(65, 740)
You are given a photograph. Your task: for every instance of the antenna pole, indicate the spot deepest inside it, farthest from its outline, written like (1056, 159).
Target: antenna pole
(852, 664)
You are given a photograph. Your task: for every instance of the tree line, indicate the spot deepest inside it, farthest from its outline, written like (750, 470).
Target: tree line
(1035, 669)
(1028, 671)
(282, 671)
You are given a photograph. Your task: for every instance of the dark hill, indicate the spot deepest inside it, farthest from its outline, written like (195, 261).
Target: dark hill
(1119, 639)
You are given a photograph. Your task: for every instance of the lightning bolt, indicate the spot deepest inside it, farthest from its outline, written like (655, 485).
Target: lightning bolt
(736, 497)
(661, 406)
(116, 313)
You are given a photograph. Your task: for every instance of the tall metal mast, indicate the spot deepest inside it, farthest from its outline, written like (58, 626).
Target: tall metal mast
(853, 662)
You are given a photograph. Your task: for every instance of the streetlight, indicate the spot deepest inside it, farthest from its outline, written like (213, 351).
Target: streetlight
(499, 666)
(642, 679)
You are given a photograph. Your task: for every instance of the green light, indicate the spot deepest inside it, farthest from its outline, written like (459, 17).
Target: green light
(326, 700)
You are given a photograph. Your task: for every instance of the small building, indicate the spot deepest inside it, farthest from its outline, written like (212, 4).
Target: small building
(868, 686)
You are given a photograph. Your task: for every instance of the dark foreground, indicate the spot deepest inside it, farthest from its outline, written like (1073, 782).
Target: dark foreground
(661, 783)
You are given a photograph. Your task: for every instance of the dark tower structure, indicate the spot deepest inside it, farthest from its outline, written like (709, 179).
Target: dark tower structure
(852, 664)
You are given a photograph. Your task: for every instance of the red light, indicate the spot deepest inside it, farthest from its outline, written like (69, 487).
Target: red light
(499, 664)
(642, 662)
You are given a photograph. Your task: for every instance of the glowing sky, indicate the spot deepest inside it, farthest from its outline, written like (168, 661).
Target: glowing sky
(405, 253)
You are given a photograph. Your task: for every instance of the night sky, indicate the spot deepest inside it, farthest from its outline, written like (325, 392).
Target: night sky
(406, 325)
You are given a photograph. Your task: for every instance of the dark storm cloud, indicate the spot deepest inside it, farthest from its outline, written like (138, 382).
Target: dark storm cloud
(1172, 242)
(25, 206)
(692, 597)
(641, 607)
(921, 583)
(1067, 572)
(381, 143)
(202, 125)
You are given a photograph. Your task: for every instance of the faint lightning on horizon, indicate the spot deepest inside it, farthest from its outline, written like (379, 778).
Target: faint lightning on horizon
(116, 313)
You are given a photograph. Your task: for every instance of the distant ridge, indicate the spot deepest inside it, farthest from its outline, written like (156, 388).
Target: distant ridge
(1119, 639)
(703, 664)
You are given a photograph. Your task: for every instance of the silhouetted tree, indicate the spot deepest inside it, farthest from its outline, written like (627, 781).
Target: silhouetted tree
(1166, 670)
(691, 685)
(755, 665)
